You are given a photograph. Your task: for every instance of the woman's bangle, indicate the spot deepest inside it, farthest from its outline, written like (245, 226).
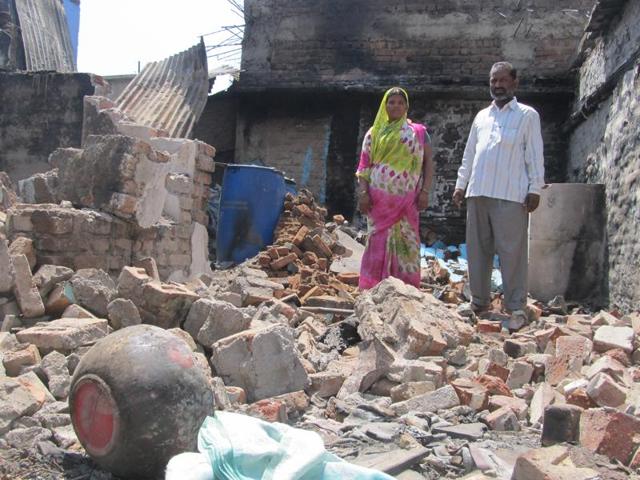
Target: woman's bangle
(363, 192)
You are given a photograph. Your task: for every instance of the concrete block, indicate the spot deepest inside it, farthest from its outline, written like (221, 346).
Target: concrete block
(263, 362)
(561, 424)
(605, 392)
(608, 338)
(441, 399)
(64, 335)
(26, 293)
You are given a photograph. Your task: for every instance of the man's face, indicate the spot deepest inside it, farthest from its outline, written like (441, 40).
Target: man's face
(502, 85)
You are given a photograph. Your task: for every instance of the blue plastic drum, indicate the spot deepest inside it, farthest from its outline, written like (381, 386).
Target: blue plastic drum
(250, 207)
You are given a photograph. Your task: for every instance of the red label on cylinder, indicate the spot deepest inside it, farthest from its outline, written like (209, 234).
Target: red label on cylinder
(94, 416)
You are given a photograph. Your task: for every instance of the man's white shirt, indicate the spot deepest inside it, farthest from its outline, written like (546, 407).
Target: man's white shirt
(504, 154)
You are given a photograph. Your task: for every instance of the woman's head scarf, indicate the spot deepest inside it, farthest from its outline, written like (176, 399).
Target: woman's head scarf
(385, 135)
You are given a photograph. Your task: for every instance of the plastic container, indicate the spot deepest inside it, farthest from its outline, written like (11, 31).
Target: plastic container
(250, 207)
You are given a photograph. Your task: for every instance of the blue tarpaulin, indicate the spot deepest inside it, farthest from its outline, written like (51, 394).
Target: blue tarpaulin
(454, 259)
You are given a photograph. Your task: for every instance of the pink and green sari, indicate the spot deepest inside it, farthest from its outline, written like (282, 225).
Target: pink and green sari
(391, 163)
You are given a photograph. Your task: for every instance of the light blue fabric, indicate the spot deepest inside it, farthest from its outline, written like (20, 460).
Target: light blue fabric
(241, 447)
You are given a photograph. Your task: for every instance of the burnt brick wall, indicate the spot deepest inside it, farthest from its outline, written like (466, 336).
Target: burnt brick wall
(39, 112)
(289, 43)
(605, 145)
(316, 139)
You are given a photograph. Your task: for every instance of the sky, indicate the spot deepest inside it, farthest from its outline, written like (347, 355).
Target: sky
(116, 34)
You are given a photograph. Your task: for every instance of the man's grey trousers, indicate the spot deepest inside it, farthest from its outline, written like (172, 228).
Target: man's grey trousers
(497, 226)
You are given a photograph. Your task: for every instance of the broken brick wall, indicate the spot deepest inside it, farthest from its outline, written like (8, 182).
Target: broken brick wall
(605, 146)
(75, 238)
(288, 43)
(153, 190)
(40, 111)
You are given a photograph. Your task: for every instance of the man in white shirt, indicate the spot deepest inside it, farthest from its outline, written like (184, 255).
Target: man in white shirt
(502, 172)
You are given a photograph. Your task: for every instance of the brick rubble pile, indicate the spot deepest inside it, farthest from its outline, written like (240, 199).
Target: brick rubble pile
(391, 373)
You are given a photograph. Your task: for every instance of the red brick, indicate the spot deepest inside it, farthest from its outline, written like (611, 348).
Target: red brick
(561, 367)
(574, 346)
(533, 313)
(321, 246)
(499, 371)
(543, 337)
(264, 260)
(580, 398)
(471, 393)
(620, 355)
(300, 236)
(605, 391)
(309, 258)
(349, 278)
(517, 405)
(304, 210)
(486, 326)
(269, 410)
(494, 385)
(503, 419)
(282, 262)
(610, 432)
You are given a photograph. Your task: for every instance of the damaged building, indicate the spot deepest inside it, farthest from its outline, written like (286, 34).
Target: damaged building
(104, 182)
(311, 78)
(104, 214)
(41, 94)
(312, 75)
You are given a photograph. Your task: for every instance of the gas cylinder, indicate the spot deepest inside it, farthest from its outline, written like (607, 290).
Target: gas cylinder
(138, 398)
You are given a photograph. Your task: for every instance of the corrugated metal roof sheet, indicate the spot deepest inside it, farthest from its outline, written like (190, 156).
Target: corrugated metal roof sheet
(45, 35)
(169, 94)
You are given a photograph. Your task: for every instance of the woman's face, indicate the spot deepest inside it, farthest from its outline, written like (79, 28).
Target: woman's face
(396, 107)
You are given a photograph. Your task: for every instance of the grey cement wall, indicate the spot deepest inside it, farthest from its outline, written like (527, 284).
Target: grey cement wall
(39, 112)
(289, 43)
(605, 148)
(610, 51)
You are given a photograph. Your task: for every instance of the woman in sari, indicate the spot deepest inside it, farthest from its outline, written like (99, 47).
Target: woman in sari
(394, 176)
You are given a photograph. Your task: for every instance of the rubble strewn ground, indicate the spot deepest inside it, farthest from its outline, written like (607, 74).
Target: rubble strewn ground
(393, 378)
